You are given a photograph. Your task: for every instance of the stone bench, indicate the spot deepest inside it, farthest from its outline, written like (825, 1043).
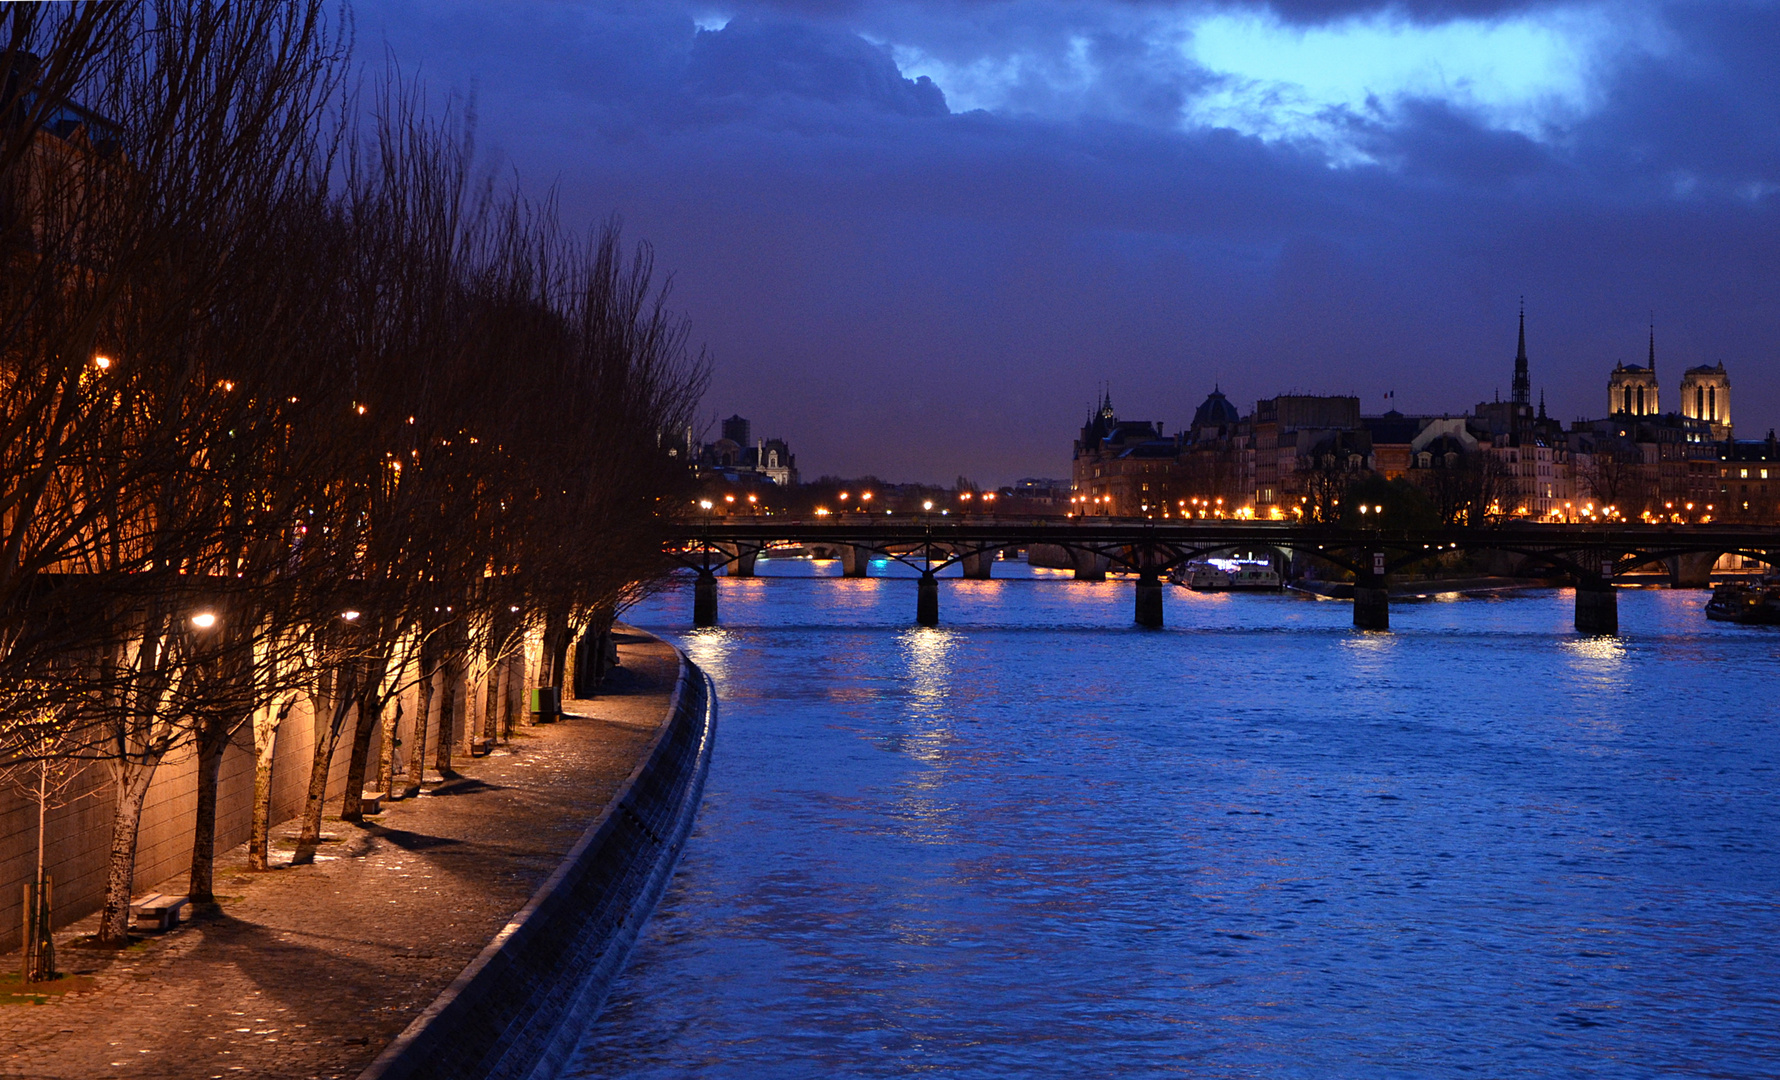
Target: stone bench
(156, 912)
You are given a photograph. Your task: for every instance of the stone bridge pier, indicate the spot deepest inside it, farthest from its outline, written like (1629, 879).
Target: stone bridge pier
(1597, 604)
(741, 557)
(1090, 565)
(1692, 571)
(855, 561)
(927, 600)
(977, 565)
(1149, 599)
(1372, 598)
(704, 598)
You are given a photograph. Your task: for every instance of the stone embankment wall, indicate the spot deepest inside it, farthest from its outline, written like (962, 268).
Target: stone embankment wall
(78, 829)
(521, 1006)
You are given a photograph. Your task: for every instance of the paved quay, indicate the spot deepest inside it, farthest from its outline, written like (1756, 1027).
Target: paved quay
(309, 971)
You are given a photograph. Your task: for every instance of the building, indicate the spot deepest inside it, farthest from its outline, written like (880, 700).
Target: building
(735, 459)
(1706, 395)
(1631, 390)
(1122, 467)
(1287, 432)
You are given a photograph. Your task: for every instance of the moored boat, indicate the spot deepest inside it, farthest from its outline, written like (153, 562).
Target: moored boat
(1754, 605)
(1228, 575)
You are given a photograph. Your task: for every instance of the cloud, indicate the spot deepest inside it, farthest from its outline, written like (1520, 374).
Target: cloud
(751, 60)
(922, 279)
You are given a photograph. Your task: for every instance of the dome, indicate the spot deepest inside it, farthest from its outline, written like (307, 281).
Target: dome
(1216, 412)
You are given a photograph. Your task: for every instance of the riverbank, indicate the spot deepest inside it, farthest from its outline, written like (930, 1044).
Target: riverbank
(311, 971)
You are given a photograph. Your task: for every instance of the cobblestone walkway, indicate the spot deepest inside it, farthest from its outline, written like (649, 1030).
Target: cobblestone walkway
(310, 971)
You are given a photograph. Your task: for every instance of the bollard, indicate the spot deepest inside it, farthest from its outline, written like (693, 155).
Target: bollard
(704, 599)
(927, 600)
(1149, 600)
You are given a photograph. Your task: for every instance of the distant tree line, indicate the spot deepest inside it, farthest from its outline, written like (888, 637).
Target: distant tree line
(295, 407)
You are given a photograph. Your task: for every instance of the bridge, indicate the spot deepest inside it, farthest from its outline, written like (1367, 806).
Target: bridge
(1591, 556)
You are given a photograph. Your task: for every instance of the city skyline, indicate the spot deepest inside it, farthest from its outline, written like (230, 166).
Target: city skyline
(915, 234)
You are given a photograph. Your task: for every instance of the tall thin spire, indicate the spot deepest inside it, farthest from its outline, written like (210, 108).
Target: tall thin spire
(1653, 343)
(1523, 383)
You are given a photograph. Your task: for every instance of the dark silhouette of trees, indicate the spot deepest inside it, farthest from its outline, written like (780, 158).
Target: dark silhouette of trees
(293, 409)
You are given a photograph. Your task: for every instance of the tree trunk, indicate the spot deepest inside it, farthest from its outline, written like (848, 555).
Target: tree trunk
(556, 649)
(386, 768)
(265, 745)
(213, 737)
(491, 700)
(370, 716)
(452, 671)
(120, 875)
(423, 715)
(511, 705)
(333, 707)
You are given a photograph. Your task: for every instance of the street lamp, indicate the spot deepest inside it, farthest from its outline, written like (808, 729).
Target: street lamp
(204, 620)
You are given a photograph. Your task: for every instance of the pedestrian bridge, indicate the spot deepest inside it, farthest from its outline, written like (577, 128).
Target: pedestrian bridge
(1592, 556)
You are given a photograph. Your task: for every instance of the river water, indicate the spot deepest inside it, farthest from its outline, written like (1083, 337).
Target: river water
(1040, 842)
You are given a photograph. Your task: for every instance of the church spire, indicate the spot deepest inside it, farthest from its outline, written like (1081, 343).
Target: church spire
(1653, 344)
(1523, 383)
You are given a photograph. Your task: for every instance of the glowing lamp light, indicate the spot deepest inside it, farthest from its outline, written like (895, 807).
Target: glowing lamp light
(349, 616)
(753, 498)
(704, 504)
(103, 363)
(865, 496)
(926, 504)
(729, 498)
(821, 511)
(843, 496)
(204, 620)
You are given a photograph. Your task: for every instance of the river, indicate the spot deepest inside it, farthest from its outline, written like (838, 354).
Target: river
(1039, 842)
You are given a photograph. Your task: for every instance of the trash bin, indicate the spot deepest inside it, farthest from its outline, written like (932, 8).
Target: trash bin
(546, 704)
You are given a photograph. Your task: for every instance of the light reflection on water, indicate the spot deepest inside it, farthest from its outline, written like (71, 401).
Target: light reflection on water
(1037, 841)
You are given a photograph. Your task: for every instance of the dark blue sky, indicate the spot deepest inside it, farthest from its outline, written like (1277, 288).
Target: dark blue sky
(917, 236)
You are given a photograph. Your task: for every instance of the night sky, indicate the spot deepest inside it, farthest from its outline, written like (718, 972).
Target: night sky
(916, 238)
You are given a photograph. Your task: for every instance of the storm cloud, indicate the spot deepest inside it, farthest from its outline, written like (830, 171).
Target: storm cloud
(916, 237)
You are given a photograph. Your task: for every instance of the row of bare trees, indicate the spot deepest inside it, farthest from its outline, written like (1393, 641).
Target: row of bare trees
(296, 409)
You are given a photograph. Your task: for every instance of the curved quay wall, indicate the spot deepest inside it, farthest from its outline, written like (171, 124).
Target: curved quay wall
(519, 1008)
